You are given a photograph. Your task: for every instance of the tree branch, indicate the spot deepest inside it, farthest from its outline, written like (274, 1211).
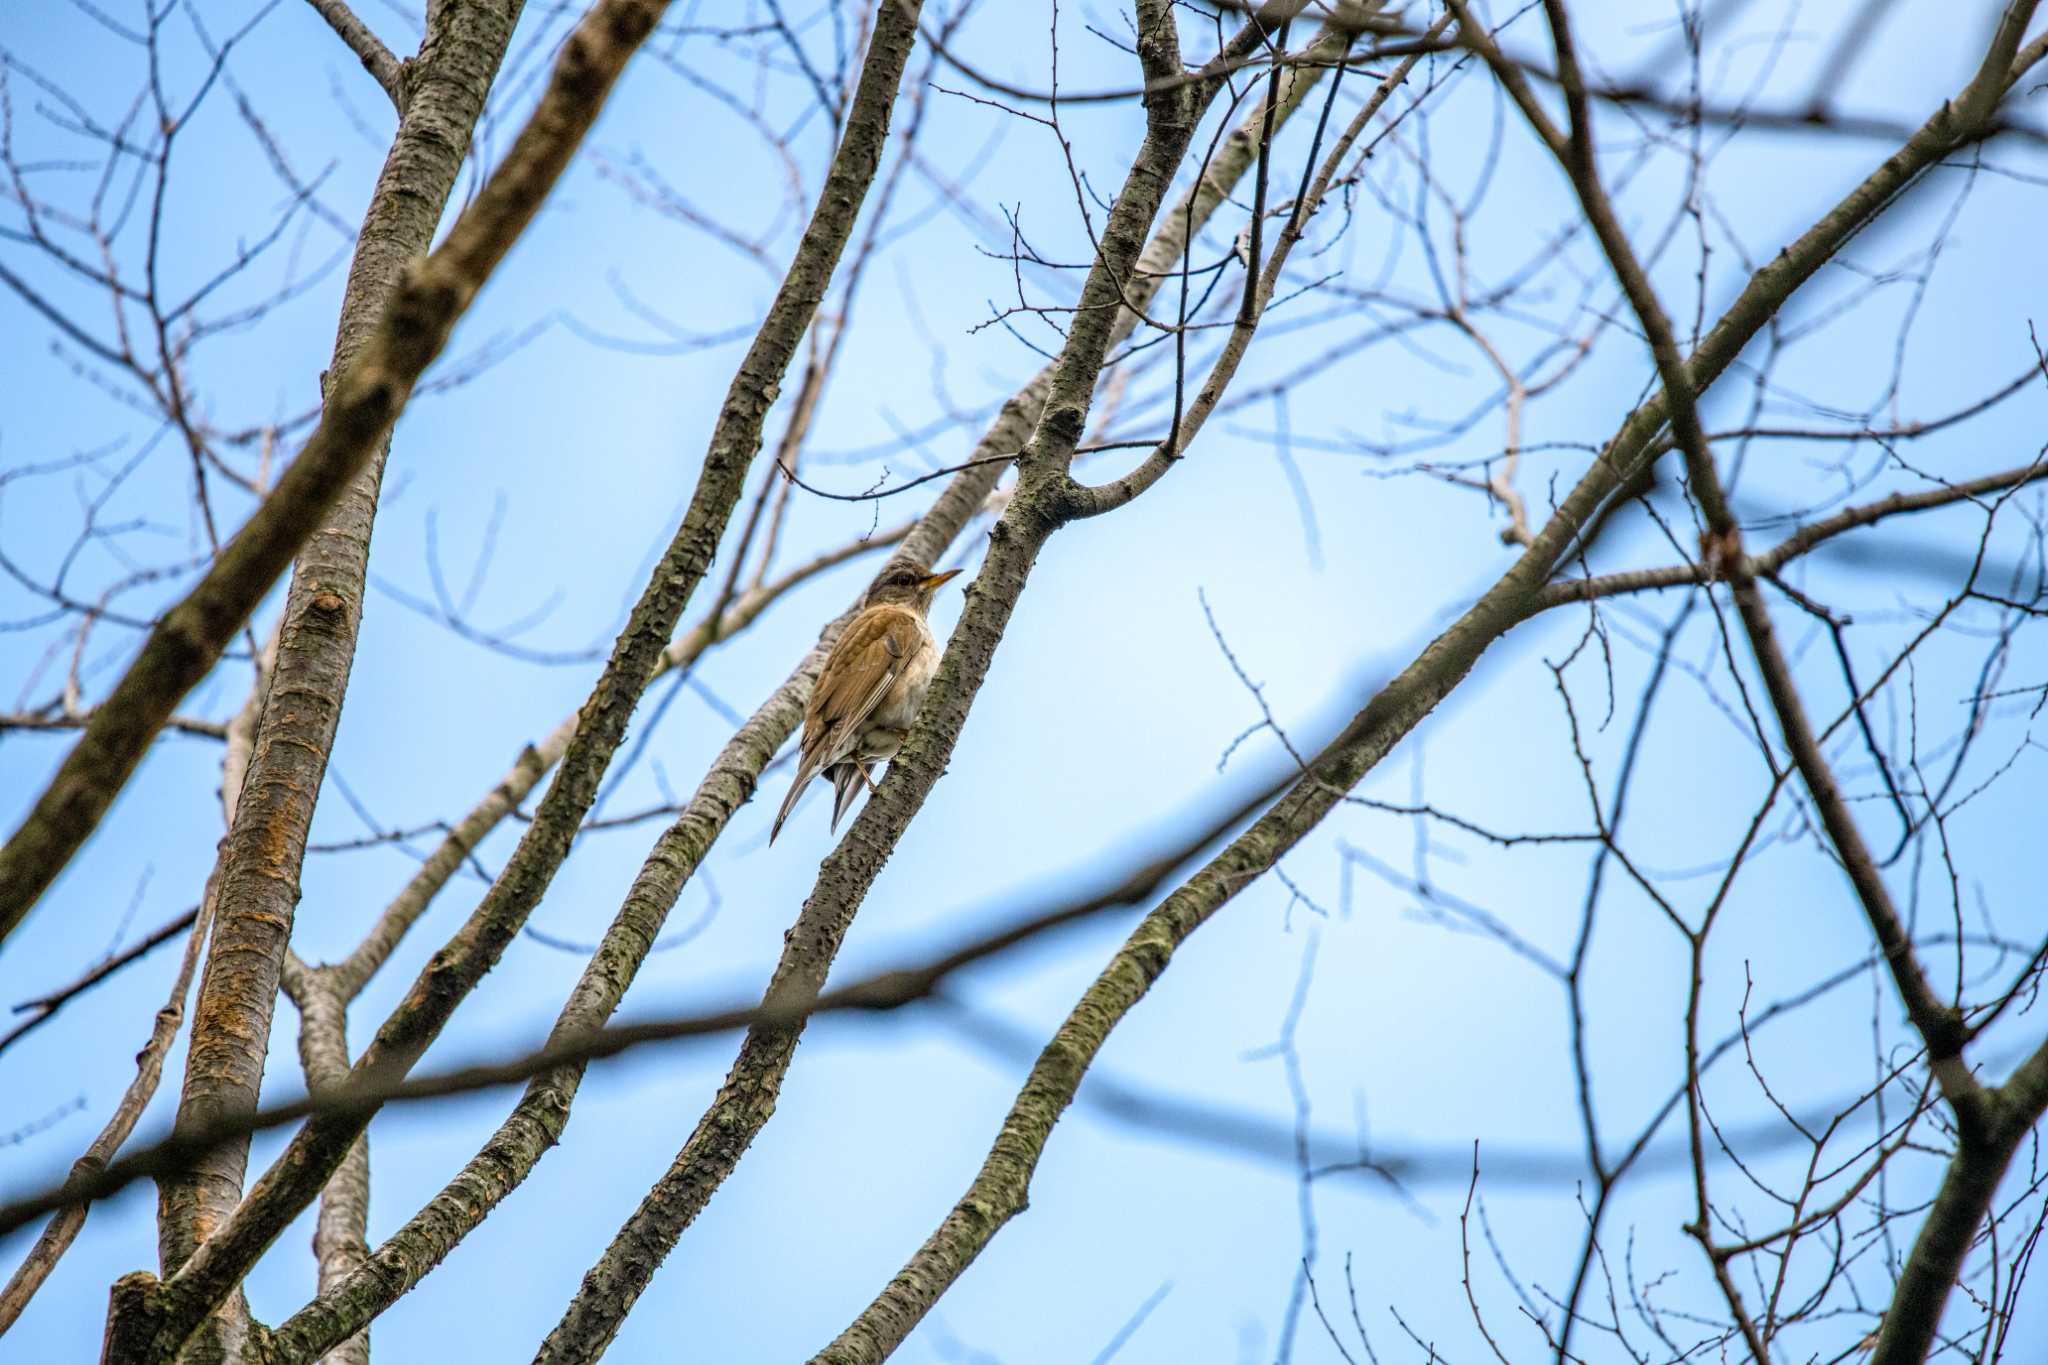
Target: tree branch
(611, 30)
(44, 1006)
(1983, 1152)
(376, 58)
(1975, 1169)
(149, 1065)
(340, 1231)
(1000, 1189)
(365, 401)
(262, 857)
(1800, 542)
(747, 1098)
(1259, 290)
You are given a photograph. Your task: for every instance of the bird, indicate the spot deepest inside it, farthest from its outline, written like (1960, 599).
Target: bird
(872, 684)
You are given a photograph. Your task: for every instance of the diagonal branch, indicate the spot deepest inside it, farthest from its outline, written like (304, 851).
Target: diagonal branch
(537, 1121)
(63, 1229)
(1979, 1162)
(45, 1006)
(746, 1100)
(317, 1150)
(1000, 1189)
(257, 877)
(376, 58)
(364, 402)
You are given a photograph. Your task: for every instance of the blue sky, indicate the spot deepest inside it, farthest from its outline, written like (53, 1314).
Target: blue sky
(1099, 728)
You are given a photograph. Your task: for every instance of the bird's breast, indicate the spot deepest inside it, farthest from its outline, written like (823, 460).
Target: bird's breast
(898, 707)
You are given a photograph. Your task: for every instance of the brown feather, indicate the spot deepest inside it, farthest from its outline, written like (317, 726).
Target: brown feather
(876, 648)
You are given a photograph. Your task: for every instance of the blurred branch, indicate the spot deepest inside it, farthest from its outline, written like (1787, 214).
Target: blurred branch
(1114, 288)
(880, 992)
(1393, 41)
(887, 990)
(363, 404)
(999, 1190)
(30, 720)
(270, 806)
(605, 38)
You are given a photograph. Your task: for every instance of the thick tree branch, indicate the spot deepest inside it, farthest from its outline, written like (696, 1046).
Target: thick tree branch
(1912, 1324)
(364, 401)
(257, 878)
(1000, 1189)
(748, 1096)
(63, 1229)
(612, 29)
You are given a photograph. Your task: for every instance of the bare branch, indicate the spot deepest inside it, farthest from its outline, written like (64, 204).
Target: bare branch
(365, 400)
(376, 58)
(612, 29)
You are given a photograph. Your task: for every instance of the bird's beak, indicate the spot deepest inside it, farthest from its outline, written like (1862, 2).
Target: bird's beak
(938, 580)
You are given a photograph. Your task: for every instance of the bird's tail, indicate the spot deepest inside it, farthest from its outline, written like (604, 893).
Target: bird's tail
(848, 781)
(805, 771)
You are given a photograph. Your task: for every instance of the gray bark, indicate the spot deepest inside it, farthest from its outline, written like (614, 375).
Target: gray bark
(591, 58)
(747, 1099)
(258, 872)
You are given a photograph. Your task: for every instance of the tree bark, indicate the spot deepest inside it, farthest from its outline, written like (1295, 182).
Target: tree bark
(747, 1099)
(603, 41)
(259, 867)
(536, 1123)
(1000, 1190)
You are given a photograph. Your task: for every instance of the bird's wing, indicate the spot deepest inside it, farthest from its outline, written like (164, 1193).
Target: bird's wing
(863, 666)
(858, 673)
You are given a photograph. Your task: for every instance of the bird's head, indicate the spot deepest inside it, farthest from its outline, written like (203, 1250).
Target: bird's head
(908, 585)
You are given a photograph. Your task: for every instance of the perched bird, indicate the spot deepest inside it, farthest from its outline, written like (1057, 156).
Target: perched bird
(874, 680)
